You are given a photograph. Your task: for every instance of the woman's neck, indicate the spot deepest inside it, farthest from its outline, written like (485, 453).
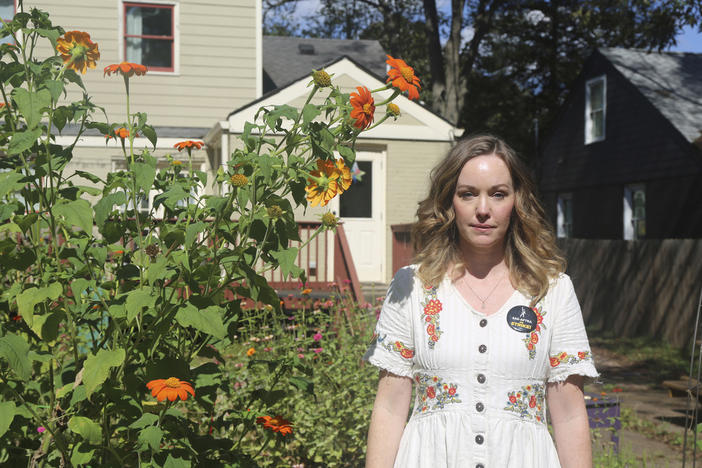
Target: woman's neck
(481, 262)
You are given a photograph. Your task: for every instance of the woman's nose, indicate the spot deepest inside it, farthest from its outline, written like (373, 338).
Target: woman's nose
(482, 209)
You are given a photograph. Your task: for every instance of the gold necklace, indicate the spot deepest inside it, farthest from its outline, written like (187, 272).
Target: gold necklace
(482, 301)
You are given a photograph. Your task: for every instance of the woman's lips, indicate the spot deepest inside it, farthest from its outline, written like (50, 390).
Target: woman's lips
(482, 227)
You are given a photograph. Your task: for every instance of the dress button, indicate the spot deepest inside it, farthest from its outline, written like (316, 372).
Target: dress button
(482, 348)
(479, 465)
(483, 323)
(480, 407)
(479, 439)
(481, 378)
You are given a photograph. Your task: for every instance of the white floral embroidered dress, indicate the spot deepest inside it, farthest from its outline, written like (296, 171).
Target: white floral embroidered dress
(479, 380)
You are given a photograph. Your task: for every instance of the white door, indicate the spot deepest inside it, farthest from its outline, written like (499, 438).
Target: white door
(362, 210)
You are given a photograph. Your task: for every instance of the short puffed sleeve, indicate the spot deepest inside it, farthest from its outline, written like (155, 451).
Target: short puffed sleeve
(570, 351)
(392, 347)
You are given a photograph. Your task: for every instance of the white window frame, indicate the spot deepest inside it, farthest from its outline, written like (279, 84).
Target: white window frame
(630, 232)
(561, 228)
(176, 33)
(588, 110)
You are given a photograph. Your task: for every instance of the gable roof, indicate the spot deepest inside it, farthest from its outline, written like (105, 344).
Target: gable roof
(286, 59)
(429, 126)
(672, 81)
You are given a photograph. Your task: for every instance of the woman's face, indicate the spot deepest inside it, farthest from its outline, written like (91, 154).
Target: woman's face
(483, 203)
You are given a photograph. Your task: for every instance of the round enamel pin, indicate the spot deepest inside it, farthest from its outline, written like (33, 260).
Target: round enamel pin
(521, 319)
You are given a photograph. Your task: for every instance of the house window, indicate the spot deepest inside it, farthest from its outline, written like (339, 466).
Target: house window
(149, 35)
(564, 217)
(595, 109)
(7, 12)
(634, 212)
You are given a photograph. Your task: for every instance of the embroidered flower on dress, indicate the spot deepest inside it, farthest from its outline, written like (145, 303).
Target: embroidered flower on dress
(396, 346)
(433, 393)
(533, 338)
(527, 402)
(562, 357)
(431, 306)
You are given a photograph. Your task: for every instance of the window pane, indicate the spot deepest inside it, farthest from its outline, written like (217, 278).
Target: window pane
(149, 21)
(150, 52)
(7, 9)
(356, 202)
(597, 129)
(596, 95)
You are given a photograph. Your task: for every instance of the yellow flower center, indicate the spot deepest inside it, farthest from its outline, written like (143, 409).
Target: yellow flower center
(367, 109)
(173, 382)
(407, 73)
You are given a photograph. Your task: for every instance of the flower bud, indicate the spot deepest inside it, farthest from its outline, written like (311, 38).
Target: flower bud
(321, 78)
(239, 180)
(329, 221)
(274, 211)
(393, 109)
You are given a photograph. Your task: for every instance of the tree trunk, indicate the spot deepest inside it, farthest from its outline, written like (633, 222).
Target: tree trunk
(436, 59)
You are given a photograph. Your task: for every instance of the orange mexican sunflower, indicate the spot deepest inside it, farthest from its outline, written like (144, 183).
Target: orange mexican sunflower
(344, 175)
(170, 388)
(250, 352)
(402, 77)
(323, 183)
(77, 50)
(122, 132)
(276, 424)
(181, 145)
(126, 69)
(363, 107)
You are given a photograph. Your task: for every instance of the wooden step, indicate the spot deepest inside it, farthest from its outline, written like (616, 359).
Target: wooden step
(681, 387)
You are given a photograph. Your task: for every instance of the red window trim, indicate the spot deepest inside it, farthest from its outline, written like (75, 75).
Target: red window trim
(170, 38)
(14, 3)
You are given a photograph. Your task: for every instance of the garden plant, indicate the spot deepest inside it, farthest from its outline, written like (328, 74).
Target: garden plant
(128, 338)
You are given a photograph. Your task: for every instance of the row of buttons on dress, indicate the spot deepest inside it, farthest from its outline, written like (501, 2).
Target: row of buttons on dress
(479, 439)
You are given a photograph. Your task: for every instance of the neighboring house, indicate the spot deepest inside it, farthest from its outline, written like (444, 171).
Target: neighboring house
(624, 160)
(396, 156)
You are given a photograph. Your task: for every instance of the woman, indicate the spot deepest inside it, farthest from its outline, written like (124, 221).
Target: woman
(487, 327)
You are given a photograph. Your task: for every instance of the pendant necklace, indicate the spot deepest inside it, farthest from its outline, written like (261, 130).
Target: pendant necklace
(482, 301)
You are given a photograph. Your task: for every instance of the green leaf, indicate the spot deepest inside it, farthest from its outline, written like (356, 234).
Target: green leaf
(74, 77)
(192, 231)
(146, 419)
(78, 286)
(30, 105)
(145, 175)
(27, 299)
(171, 197)
(156, 269)
(22, 141)
(105, 206)
(46, 326)
(16, 351)
(91, 177)
(9, 182)
(97, 367)
(136, 301)
(150, 438)
(347, 153)
(208, 320)
(172, 462)
(82, 454)
(55, 88)
(51, 34)
(76, 213)
(150, 134)
(286, 259)
(90, 431)
(309, 112)
(7, 414)
(303, 384)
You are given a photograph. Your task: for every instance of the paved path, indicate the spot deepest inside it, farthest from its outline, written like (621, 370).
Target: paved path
(650, 402)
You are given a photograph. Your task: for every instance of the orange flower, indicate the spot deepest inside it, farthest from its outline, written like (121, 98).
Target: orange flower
(77, 50)
(276, 424)
(402, 77)
(251, 351)
(363, 107)
(306, 291)
(122, 133)
(126, 69)
(344, 175)
(323, 184)
(181, 145)
(170, 388)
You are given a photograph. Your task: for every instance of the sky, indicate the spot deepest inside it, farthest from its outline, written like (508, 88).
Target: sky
(690, 39)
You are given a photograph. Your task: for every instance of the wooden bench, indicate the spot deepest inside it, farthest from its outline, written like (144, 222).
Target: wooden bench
(682, 387)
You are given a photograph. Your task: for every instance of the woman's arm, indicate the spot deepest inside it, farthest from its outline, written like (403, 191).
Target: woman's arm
(570, 424)
(388, 419)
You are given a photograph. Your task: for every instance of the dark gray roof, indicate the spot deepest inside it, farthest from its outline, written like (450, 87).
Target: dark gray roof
(286, 59)
(672, 81)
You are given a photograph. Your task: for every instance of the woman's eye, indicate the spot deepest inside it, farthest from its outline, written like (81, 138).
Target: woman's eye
(465, 195)
(498, 195)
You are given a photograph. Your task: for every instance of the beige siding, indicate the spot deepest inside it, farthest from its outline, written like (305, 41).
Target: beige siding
(217, 53)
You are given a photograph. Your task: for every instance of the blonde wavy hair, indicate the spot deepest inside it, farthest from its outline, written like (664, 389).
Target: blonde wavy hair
(531, 253)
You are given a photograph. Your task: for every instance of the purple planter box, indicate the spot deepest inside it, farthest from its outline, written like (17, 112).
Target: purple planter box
(604, 412)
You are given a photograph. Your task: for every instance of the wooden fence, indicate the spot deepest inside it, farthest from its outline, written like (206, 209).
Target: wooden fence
(637, 288)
